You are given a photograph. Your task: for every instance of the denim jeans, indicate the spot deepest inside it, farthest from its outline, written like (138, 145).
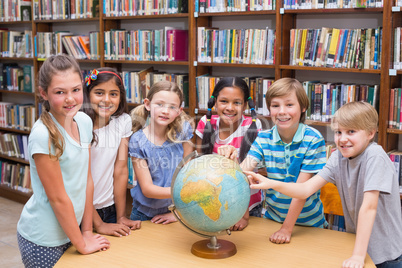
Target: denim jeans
(108, 214)
(138, 216)
(397, 263)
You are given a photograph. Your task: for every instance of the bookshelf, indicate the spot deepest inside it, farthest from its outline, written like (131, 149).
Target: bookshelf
(279, 19)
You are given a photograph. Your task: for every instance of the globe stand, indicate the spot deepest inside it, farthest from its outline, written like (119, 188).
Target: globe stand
(213, 248)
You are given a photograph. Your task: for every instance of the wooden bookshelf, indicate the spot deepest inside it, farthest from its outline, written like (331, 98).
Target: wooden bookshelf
(282, 21)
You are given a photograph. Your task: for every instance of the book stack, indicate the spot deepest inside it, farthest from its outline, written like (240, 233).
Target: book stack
(77, 46)
(17, 116)
(166, 44)
(336, 48)
(328, 4)
(16, 176)
(65, 9)
(11, 10)
(258, 88)
(16, 44)
(247, 46)
(204, 6)
(327, 98)
(137, 8)
(138, 83)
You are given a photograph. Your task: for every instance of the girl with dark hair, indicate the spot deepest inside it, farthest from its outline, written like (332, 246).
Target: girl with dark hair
(229, 127)
(107, 106)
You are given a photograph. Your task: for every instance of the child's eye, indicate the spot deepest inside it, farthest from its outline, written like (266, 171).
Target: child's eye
(99, 93)
(114, 94)
(238, 103)
(223, 101)
(77, 89)
(59, 92)
(290, 104)
(352, 131)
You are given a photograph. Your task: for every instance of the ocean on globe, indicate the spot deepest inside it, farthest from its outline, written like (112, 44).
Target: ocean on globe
(211, 193)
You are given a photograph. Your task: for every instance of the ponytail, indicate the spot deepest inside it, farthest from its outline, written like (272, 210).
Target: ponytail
(55, 136)
(139, 117)
(251, 132)
(208, 138)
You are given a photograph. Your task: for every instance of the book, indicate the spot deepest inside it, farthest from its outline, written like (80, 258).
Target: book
(177, 45)
(28, 80)
(25, 10)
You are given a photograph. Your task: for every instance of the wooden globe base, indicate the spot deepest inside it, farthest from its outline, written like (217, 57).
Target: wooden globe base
(225, 250)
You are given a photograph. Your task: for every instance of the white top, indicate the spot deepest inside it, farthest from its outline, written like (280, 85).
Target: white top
(103, 157)
(38, 223)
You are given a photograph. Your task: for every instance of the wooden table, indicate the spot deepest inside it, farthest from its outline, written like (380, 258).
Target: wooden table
(170, 245)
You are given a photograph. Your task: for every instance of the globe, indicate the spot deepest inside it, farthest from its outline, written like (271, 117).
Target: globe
(210, 194)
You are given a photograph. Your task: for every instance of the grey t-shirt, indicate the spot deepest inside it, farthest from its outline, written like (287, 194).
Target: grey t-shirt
(372, 170)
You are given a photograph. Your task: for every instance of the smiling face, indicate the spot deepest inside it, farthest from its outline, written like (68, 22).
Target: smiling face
(105, 100)
(352, 142)
(164, 107)
(285, 114)
(230, 106)
(64, 94)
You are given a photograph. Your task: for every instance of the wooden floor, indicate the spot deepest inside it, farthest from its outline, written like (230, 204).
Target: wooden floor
(10, 212)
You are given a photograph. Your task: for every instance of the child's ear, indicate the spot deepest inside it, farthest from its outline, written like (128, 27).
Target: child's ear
(372, 133)
(147, 104)
(43, 93)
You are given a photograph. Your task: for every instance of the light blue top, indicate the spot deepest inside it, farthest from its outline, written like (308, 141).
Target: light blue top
(162, 162)
(38, 223)
(284, 162)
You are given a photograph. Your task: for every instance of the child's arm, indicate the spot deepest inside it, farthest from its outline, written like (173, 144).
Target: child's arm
(120, 179)
(51, 178)
(365, 222)
(144, 178)
(294, 190)
(285, 232)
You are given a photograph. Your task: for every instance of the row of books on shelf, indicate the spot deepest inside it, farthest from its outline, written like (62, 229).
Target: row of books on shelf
(14, 145)
(166, 44)
(397, 48)
(395, 115)
(336, 48)
(15, 10)
(17, 116)
(327, 98)
(258, 87)
(113, 8)
(78, 46)
(65, 9)
(16, 78)
(16, 176)
(205, 6)
(329, 4)
(396, 158)
(248, 46)
(16, 44)
(138, 83)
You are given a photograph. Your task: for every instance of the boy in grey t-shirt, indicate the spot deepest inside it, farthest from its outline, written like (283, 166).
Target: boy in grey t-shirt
(367, 184)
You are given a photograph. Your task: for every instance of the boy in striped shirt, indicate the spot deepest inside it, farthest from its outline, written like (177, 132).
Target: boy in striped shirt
(292, 152)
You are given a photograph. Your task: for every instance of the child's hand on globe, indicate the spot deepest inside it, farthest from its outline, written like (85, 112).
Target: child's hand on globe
(228, 151)
(257, 181)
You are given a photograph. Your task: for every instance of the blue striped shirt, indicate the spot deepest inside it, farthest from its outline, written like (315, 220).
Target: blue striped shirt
(284, 162)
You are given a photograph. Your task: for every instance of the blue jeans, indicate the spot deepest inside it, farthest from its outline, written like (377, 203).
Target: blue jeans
(138, 216)
(397, 263)
(108, 214)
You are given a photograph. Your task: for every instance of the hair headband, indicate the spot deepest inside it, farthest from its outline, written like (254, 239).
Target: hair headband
(94, 75)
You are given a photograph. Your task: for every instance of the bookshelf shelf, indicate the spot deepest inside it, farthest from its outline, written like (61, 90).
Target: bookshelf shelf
(334, 11)
(14, 159)
(15, 195)
(16, 58)
(161, 16)
(236, 65)
(17, 92)
(14, 130)
(394, 131)
(238, 13)
(148, 62)
(15, 22)
(324, 69)
(66, 20)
